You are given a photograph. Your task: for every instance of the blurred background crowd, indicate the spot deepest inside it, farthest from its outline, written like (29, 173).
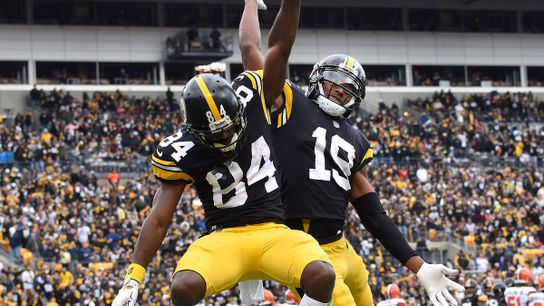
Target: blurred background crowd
(75, 188)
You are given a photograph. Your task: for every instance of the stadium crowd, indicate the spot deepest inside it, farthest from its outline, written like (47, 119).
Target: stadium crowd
(70, 231)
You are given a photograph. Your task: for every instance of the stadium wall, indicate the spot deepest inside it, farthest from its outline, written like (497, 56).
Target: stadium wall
(135, 44)
(143, 44)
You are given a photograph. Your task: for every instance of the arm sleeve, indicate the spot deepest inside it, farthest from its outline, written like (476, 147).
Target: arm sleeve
(376, 221)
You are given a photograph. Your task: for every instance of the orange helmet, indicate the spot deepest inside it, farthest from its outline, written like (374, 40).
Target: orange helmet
(541, 282)
(290, 297)
(392, 291)
(269, 297)
(523, 276)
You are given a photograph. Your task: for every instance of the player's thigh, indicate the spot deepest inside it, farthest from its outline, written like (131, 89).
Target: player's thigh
(357, 277)
(336, 251)
(286, 253)
(217, 258)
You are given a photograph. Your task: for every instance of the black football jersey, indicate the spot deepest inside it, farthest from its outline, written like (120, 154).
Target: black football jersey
(237, 189)
(318, 156)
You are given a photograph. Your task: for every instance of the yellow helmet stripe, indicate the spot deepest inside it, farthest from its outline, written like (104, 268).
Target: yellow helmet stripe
(208, 96)
(350, 62)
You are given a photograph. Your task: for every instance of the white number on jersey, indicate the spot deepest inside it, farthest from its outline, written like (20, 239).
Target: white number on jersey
(223, 197)
(245, 94)
(240, 194)
(260, 151)
(518, 296)
(181, 147)
(536, 299)
(319, 173)
(170, 139)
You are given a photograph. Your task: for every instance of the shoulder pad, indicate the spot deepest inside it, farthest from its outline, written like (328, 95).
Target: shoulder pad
(167, 159)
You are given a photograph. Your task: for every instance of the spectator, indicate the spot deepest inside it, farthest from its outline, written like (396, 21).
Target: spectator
(444, 166)
(192, 36)
(215, 37)
(113, 178)
(16, 240)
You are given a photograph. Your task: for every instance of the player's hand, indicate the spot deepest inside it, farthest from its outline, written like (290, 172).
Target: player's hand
(128, 294)
(251, 292)
(261, 5)
(433, 278)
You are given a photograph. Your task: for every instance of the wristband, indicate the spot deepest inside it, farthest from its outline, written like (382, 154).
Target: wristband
(135, 272)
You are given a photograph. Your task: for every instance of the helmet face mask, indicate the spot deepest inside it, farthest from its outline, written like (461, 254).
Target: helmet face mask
(337, 88)
(213, 113)
(223, 135)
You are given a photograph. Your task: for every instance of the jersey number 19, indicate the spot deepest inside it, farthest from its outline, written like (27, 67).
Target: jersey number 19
(319, 173)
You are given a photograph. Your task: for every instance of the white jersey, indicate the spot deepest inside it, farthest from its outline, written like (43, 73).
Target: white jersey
(518, 296)
(393, 302)
(536, 299)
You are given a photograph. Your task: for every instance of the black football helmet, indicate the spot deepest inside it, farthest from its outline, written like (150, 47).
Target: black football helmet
(509, 282)
(471, 286)
(337, 85)
(498, 290)
(213, 112)
(487, 286)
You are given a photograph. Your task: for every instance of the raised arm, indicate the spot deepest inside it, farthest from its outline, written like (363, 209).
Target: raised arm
(250, 37)
(280, 41)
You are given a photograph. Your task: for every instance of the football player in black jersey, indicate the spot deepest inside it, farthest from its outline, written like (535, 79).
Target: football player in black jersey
(323, 162)
(224, 149)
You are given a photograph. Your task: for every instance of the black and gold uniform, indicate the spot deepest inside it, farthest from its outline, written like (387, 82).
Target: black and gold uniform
(318, 154)
(239, 190)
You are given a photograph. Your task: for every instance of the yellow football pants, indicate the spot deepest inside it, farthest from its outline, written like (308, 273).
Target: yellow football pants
(260, 251)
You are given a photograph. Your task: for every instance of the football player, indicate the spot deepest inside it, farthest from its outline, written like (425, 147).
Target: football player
(537, 298)
(392, 295)
(324, 165)
(472, 294)
(225, 151)
(497, 295)
(518, 295)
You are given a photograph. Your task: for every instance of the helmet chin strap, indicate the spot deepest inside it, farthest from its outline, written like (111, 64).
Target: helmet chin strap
(232, 146)
(328, 106)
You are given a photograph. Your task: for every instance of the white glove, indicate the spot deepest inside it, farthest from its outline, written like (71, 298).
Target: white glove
(432, 278)
(251, 292)
(127, 295)
(261, 5)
